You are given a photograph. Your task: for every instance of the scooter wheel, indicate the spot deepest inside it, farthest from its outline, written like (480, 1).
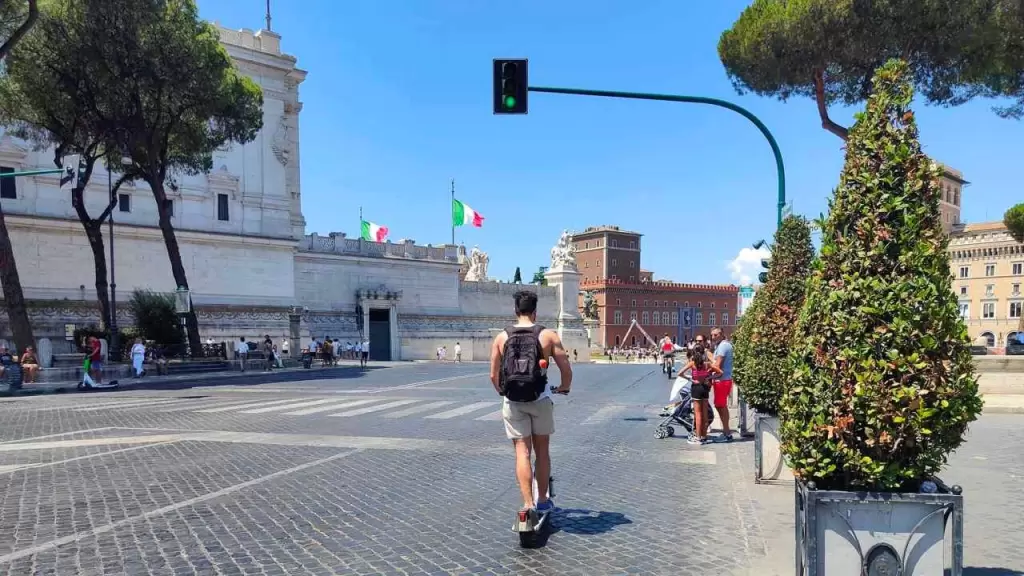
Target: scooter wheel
(528, 540)
(670, 431)
(660, 433)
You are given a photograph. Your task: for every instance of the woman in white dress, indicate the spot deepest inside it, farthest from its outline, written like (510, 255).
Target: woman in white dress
(138, 356)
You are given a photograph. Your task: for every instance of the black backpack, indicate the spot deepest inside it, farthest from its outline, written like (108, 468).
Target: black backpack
(522, 379)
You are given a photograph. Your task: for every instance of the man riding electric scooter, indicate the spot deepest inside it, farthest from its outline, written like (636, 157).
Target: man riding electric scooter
(519, 358)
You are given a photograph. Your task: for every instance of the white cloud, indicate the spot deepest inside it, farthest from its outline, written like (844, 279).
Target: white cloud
(746, 265)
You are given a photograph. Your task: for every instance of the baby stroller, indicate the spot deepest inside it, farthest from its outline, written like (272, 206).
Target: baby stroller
(681, 415)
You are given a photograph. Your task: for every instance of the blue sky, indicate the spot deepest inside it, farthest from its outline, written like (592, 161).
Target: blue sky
(398, 102)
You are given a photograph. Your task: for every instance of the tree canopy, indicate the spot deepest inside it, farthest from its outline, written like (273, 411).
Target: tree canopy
(828, 50)
(1014, 221)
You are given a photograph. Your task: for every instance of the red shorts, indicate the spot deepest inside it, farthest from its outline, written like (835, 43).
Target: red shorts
(723, 388)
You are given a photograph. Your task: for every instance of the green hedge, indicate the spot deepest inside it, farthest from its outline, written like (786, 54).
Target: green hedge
(883, 384)
(764, 339)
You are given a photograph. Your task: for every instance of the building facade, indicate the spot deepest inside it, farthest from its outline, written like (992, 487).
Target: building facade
(952, 182)
(608, 259)
(988, 274)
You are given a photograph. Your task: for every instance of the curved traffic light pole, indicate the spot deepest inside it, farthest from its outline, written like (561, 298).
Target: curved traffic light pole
(780, 167)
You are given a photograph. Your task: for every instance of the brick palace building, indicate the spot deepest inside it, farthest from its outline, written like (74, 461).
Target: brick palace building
(608, 259)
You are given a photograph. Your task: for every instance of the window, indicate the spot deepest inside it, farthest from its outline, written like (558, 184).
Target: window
(618, 316)
(965, 310)
(700, 319)
(647, 303)
(686, 304)
(990, 290)
(655, 303)
(632, 316)
(990, 339)
(700, 304)
(124, 202)
(990, 269)
(633, 303)
(711, 319)
(618, 302)
(646, 318)
(712, 304)
(632, 244)
(169, 207)
(665, 303)
(1015, 309)
(963, 290)
(632, 264)
(675, 318)
(664, 319)
(675, 304)
(1015, 290)
(988, 310)
(222, 207)
(632, 278)
(615, 262)
(655, 319)
(614, 243)
(1017, 266)
(586, 245)
(965, 271)
(8, 186)
(725, 318)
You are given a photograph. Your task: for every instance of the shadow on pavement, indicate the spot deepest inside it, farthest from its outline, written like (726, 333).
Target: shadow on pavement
(580, 521)
(240, 379)
(988, 571)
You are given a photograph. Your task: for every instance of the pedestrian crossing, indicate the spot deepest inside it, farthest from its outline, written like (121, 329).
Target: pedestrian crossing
(334, 407)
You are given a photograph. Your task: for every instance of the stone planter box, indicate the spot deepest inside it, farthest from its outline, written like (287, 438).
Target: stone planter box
(769, 465)
(841, 533)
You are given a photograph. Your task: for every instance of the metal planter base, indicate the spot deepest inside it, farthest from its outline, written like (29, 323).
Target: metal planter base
(769, 465)
(841, 533)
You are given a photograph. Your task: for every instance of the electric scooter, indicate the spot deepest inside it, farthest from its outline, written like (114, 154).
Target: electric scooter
(530, 523)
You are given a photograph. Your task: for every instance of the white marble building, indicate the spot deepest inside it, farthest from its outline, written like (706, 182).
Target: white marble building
(251, 268)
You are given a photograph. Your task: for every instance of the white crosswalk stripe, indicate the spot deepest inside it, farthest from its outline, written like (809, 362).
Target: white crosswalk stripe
(246, 406)
(460, 411)
(295, 404)
(496, 415)
(331, 407)
(124, 405)
(204, 404)
(418, 409)
(371, 409)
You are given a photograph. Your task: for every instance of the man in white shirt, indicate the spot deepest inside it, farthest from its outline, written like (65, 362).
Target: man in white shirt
(364, 357)
(242, 352)
(458, 352)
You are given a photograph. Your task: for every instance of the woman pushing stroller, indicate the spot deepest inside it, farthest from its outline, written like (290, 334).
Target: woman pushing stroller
(701, 372)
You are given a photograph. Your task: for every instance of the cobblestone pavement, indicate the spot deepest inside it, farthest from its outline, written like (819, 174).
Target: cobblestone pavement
(405, 470)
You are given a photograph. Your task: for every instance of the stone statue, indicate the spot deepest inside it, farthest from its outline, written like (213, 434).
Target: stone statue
(478, 261)
(589, 305)
(281, 144)
(563, 255)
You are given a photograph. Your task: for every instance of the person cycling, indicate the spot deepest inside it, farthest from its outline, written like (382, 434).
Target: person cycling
(668, 351)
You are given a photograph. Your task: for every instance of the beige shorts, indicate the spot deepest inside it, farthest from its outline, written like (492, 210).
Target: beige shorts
(525, 419)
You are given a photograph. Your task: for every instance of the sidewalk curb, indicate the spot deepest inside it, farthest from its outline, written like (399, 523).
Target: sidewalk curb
(162, 382)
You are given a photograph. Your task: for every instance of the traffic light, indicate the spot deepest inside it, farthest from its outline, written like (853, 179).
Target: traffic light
(766, 263)
(74, 172)
(510, 86)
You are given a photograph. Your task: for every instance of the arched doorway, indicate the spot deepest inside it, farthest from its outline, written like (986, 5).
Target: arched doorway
(618, 341)
(990, 339)
(632, 341)
(1011, 338)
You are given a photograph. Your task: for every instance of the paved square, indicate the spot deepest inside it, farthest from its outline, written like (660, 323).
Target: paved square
(406, 470)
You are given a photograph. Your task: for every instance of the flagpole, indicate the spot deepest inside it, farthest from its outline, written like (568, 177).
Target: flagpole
(450, 208)
(360, 222)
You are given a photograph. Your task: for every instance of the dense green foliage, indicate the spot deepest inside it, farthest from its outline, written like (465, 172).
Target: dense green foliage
(883, 385)
(785, 48)
(1014, 221)
(517, 278)
(155, 318)
(765, 336)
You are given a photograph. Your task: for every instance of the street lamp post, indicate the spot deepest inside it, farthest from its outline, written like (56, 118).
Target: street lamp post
(115, 337)
(183, 305)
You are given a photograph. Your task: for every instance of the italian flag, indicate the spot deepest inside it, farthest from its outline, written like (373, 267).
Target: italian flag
(374, 232)
(463, 215)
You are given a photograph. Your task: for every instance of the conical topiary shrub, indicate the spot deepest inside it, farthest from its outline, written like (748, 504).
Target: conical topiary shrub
(883, 384)
(766, 333)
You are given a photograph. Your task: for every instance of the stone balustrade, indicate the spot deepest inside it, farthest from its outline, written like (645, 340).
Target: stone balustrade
(338, 243)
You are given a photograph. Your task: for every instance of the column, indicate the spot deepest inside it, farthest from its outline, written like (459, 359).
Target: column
(396, 341)
(366, 321)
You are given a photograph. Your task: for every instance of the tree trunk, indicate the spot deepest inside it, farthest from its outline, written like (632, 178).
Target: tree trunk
(94, 232)
(14, 298)
(822, 102)
(174, 255)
